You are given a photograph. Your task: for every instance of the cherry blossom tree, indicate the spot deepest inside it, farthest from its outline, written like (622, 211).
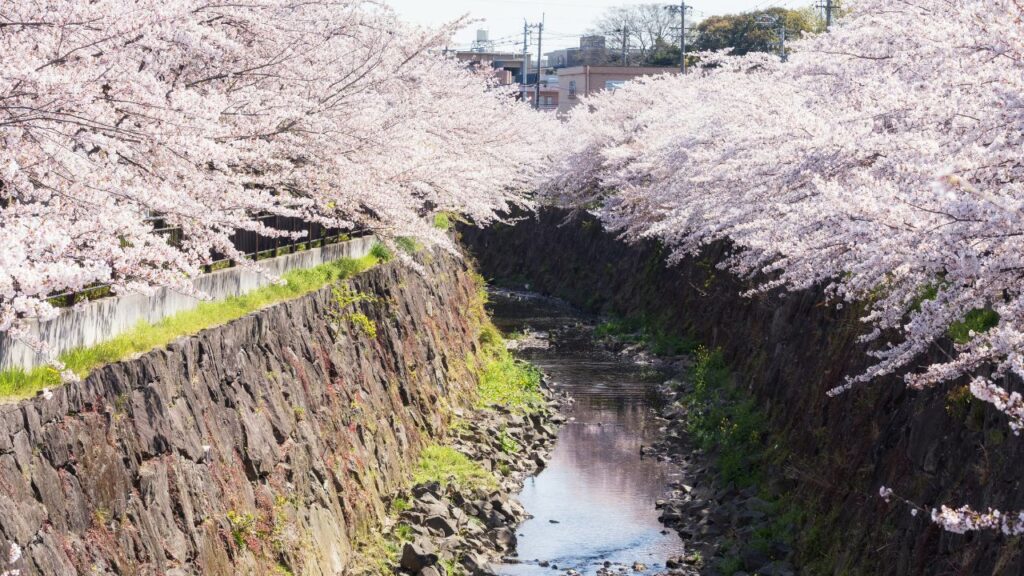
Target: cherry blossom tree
(882, 162)
(211, 115)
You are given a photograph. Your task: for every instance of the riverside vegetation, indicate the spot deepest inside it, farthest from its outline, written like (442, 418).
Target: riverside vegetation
(732, 511)
(458, 514)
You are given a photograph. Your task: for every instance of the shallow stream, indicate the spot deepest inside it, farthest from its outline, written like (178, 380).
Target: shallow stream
(594, 503)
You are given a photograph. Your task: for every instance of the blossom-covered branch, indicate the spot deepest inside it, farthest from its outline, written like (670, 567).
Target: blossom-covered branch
(211, 115)
(881, 162)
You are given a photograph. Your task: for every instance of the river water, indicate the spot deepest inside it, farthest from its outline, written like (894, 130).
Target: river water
(594, 503)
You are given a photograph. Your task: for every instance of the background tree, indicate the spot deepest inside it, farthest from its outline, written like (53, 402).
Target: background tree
(649, 31)
(743, 34)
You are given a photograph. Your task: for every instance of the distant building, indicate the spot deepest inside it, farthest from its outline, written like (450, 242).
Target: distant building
(508, 66)
(564, 58)
(581, 81)
(591, 52)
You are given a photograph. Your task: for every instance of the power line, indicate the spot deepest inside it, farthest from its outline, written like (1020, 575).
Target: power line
(681, 10)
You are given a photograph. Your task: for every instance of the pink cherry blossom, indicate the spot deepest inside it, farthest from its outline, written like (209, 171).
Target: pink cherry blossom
(882, 163)
(211, 115)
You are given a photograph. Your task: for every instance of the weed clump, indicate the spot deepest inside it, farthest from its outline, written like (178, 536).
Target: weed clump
(447, 465)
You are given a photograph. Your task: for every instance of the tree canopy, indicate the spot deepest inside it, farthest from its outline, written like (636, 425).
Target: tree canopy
(742, 33)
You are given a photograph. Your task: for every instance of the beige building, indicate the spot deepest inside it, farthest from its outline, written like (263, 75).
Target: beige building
(581, 81)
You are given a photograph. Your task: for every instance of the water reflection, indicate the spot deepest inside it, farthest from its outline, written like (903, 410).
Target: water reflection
(595, 500)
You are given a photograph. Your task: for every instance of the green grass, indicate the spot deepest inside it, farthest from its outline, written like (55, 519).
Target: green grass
(446, 465)
(723, 420)
(508, 443)
(15, 384)
(399, 505)
(504, 380)
(442, 221)
(408, 244)
(655, 338)
(977, 321)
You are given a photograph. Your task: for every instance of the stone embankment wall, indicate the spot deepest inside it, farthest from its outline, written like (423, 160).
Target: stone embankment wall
(932, 447)
(263, 446)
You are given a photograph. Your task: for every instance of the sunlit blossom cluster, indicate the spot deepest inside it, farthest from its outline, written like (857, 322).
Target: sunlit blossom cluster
(883, 162)
(962, 520)
(210, 114)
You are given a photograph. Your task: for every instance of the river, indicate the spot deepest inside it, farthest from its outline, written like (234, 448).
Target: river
(594, 502)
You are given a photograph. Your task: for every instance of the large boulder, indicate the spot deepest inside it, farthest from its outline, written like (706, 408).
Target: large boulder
(417, 555)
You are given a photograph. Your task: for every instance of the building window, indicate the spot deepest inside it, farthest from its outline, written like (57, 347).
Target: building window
(572, 88)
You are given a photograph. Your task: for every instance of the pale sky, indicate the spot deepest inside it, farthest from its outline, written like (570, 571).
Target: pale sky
(565, 20)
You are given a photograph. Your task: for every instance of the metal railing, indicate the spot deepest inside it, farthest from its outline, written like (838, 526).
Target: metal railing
(251, 244)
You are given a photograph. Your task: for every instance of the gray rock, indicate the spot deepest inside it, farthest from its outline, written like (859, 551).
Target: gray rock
(504, 538)
(443, 526)
(753, 558)
(417, 555)
(776, 569)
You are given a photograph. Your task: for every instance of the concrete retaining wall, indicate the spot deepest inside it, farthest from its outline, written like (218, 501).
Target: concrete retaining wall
(104, 319)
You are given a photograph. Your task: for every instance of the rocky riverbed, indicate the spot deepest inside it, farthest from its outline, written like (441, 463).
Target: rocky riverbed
(724, 529)
(448, 528)
(626, 478)
(731, 531)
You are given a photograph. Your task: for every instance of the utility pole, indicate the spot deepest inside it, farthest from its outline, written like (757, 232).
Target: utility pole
(768, 21)
(681, 9)
(829, 6)
(540, 39)
(526, 57)
(782, 41)
(625, 44)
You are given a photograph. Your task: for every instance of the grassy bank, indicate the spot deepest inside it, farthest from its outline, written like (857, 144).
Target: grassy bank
(446, 465)
(502, 379)
(16, 384)
(655, 336)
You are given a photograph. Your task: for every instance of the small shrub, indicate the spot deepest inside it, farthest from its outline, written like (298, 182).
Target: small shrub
(363, 322)
(346, 297)
(243, 527)
(442, 221)
(381, 252)
(507, 442)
